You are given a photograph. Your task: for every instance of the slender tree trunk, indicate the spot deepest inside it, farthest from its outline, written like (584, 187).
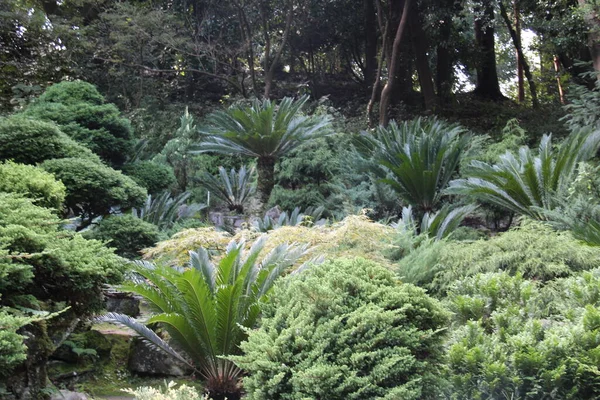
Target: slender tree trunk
(520, 72)
(488, 86)
(521, 58)
(387, 90)
(420, 46)
(266, 178)
(561, 92)
(270, 72)
(590, 15)
(247, 37)
(383, 28)
(370, 43)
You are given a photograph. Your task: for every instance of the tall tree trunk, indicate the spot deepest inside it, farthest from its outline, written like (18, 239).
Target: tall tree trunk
(522, 60)
(266, 179)
(420, 46)
(590, 15)
(246, 32)
(383, 28)
(520, 72)
(561, 92)
(370, 43)
(386, 93)
(270, 71)
(444, 68)
(488, 86)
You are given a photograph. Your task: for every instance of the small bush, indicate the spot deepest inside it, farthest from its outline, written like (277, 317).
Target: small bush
(32, 182)
(345, 330)
(153, 176)
(126, 233)
(93, 189)
(30, 141)
(170, 392)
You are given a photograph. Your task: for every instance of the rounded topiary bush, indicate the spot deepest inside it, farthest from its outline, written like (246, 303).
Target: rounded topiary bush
(30, 141)
(126, 233)
(32, 182)
(345, 330)
(153, 176)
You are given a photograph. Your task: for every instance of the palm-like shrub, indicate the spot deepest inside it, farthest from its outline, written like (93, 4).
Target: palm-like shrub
(234, 188)
(205, 307)
(310, 216)
(437, 225)
(416, 159)
(266, 131)
(529, 183)
(164, 211)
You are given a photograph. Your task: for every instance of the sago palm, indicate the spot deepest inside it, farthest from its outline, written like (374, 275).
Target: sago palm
(528, 183)
(438, 225)
(164, 211)
(234, 188)
(205, 307)
(416, 159)
(266, 131)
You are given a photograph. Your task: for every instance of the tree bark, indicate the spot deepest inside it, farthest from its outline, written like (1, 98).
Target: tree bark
(370, 44)
(387, 90)
(383, 28)
(266, 178)
(488, 86)
(420, 46)
(270, 71)
(522, 60)
(520, 72)
(592, 19)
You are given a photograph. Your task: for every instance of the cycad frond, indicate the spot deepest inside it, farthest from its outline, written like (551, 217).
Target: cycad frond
(234, 188)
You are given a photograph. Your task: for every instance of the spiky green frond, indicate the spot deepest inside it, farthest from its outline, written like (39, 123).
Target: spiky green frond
(528, 183)
(265, 129)
(234, 189)
(164, 211)
(416, 159)
(437, 225)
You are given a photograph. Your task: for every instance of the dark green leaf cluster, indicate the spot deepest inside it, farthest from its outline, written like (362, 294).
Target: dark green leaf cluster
(30, 141)
(345, 330)
(153, 176)
(79, 110)
(93, 189)
(126, 233)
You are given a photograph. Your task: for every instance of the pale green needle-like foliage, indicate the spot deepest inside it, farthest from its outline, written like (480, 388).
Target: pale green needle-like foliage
(527, 182)
(234, 188)
(265, 130)
(206, 306)
(416, 159)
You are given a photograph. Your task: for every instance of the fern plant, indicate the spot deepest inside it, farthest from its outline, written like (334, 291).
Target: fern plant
(164, 211)
(205, 307)
(235, 188)
(528, 182)
(266, 131)
(416, 159)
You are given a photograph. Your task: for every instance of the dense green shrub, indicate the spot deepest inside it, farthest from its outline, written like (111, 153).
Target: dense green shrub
(126, 233)
(508, 340)
(93, 189)
(533, 250)
(345, 330)
(43, 270)
(29, 141)
(32, 182)
(153, 176)
(81, 113)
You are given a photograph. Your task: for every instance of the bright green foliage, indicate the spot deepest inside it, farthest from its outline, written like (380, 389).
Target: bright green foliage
(510, 341)
(416, 159)
(126, 233)
(93, 189)
(234, 189)
(170, 392)
(528, 182)
(533, 250)
(205, 307)
(345, 330)
(32, 182)
(266, 130)
(29, 141)
(79, 110)
(165, 211)
(12, 349)
(153, 176)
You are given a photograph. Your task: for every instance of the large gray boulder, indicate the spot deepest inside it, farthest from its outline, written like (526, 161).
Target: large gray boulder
(145, 360)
